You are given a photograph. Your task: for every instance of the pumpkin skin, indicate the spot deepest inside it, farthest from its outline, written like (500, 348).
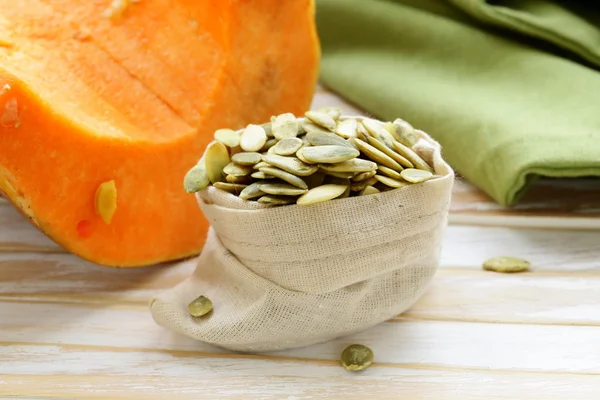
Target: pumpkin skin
(135, 98)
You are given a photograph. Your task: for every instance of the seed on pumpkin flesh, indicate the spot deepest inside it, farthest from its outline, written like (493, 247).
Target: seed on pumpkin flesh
(105, 201)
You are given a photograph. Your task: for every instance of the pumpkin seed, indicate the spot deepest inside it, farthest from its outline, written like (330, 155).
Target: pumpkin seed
(281, 189)
(284, 176)
(216, 157)
(277, 200)
(347, 128)
(253, 138)
(328, 154)
(377, 155)
(342, 175)
(364, 175)
(105, 201)
(308, 127)
(413, 157)
(377, 130)
(268, 144)
(416, 175)
(326, 138)
(333, 112)
(252, 191)
(354, 165)
(361, 131)
(228, 137)
(237, 170)
(285, 126)
(234, 188)
(506, 264)
(287, 146)
(352, 143)
(246, 158)
(261, 164)
(238, 179)
(393, 183)
(200, 306)
(321, 193)
(389, 152)
(196, 178)
(389, 172)
(290, 164)
(368, 190)
(405, 133)
(315, 179)
(261, 175)
(268, 129)
(321, 119)
(360, 185)
(356, 357)
(301, 158)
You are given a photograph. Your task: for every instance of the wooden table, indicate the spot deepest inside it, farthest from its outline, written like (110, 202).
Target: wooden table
(71, 329)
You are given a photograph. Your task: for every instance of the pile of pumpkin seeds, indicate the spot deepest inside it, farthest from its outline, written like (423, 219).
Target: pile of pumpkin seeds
(303, 161)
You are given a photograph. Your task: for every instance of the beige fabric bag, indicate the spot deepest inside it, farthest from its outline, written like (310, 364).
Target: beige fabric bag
(285, 277)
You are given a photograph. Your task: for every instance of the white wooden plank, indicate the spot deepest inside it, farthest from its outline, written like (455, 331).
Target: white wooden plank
(426, 343)
(91, 374)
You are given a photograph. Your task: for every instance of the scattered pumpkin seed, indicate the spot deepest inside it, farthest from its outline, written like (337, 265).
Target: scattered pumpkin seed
(321, 119)
(216, 157)
(413, 175)
(356, 357)
(246, 158)
(228, 137)
(200, 306)
(328, 154)
(253, 138)
(506, 264)
(287, 146)
(321, 193)
(285, 126)
(105, 201)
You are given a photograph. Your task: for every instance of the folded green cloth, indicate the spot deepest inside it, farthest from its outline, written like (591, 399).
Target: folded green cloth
(509, 89)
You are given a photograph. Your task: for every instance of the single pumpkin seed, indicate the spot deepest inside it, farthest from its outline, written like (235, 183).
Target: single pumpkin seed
(268, 129)
(105, 201)
(360, 185)
(347, 128)
(200, 306)
(284, 176)
(377, 155)
(352, 143)
(237, 170)
(415, 175)
(354, 165)
(506, 264)
(328, 154)
(287, 146)
(277, 200)
(261, 175)
(253, 138)
(321, 193)
(281, 189)
(252, 191)
(389, 152)
(326, 138)
(290, 164)
(368, 190)
(342, 175)
(364, 175)
(361, 131)
(246, 158)
(333, 112)
(228, 137)
(268, 144)
(285, 126)
(356, 357)
(405, 133)
(302, 158)
(196, 178)
(234, 188)
(244, 180)
(389, 172)
(413, 157)
(261, 164)
(377, 130)
(321, 119)
(390, 182)
(216, 157)
(308, 127)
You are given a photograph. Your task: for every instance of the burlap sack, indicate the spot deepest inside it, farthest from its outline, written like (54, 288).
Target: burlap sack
(291, 276)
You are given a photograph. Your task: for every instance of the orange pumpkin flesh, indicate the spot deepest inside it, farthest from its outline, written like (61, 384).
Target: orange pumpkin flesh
(86, 99)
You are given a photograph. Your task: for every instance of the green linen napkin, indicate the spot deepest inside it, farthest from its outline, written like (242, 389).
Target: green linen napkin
(503, 89)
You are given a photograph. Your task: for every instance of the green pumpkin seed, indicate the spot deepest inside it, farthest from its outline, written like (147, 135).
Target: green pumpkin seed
(354, 165)
(321, 193)
(237, 170)
(253, 138)
(234, 188)
(246, 158)
(252, 191)
(342, 175)
(196, 178)
(200, 306)
(377, 155)
(352, 143)
(309, 127)
(268, 130)
(216, 157)
(268, 144)
(261, 164)
(284, 176)
(333, 112)
(277, 200)
(377, 131)
(238, 179)
(281, 189)
(287, 147)
(326, 138)
(347, 128)
(328, 154)
(285, 126)
(360, 185)
(389, 152)
(506, 264)
(415, 175)
(364, 175)
(356, 357)
(405, 133)
(389, 172)
(368, 190)
(393, 183)
(321, 119)
(228, 137)
(261, 175)
(413, 157)
(290, 164)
